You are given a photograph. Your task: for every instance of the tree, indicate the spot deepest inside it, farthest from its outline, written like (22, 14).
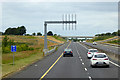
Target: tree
(50, 33)
(5, 41)
(39, 34)
(1, 33)
(15, 31)
(21, 30)
(108, 34)
(27, 34)
(118, 32)
(55, 34)
(114, 33)
(102, 34)
(33, 34)
(97, 35)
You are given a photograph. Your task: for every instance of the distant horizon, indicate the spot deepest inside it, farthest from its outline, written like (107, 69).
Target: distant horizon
(55, 33)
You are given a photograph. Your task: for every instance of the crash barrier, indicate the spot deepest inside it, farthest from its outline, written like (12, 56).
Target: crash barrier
(110, 54)
(45, 53)
(110, 44)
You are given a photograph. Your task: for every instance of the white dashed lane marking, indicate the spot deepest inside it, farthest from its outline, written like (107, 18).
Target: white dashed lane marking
(82, 63)
(110, 61)
(90, 77)
(85, 69)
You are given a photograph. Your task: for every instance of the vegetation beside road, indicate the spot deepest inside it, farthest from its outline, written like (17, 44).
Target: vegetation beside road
(55, 38)
(29, 49)
(115, 42)
(99, 38)
(105, 36)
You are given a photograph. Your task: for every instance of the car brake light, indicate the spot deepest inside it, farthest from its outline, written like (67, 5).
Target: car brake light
(89, 53)
(106, 59)
(71, 51)
(94, 59)
(64, 51)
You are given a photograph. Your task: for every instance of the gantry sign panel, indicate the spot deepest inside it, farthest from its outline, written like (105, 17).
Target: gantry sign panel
(64, 21)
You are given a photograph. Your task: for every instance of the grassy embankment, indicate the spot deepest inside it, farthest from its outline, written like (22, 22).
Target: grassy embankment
(33, 53)
(102, 38)
(99, 38)
(115, 42)
(55, 38)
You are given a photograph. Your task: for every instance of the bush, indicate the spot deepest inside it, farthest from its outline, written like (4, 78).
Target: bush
(6, 45)
(101, 38)
(6, 49)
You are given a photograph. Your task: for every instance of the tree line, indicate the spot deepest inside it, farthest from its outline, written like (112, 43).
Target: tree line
(117, 33)
(22, 31)
(15, 31)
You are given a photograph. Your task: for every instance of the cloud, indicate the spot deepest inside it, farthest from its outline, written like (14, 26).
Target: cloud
(92, 17)
(60, 1)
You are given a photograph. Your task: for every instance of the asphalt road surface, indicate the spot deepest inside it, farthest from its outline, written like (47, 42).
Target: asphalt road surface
(57, 67)
(107, 48)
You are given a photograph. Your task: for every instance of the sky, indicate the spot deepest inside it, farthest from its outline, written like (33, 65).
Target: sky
(92, 17)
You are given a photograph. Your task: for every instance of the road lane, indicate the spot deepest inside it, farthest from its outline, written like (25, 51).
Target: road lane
(72, 68)
(111, 72)
(79, 67)
(68, 67)
(35, 72)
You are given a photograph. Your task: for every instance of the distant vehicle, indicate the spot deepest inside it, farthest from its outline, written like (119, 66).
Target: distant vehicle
(94, 43)
(68, 52)
(91, 52)
(84, 41)
(99, 59)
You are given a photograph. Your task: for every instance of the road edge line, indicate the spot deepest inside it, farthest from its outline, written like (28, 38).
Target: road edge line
(53, 64)
(109, 61)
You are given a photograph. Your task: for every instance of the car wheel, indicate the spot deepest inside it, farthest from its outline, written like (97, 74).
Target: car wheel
(88, 57)
(71, 55)
(92, 66)
(108, 66)
(63, 55)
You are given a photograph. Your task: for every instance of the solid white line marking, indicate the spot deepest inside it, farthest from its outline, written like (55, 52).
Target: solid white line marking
(110, 61)
(114, 63)
(90, 78)
(85, 69)
(83, 46)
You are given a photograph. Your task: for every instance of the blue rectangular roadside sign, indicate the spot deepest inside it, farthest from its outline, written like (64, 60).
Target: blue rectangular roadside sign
(13, 48)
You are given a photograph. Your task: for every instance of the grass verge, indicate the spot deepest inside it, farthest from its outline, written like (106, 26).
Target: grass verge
(20, 64)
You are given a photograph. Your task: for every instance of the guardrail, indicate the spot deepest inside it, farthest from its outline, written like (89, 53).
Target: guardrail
(110, 54)
(111, 44)
(45, 53)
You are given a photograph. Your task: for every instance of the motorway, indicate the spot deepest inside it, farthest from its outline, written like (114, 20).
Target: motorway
(56, 67)
(107, 48)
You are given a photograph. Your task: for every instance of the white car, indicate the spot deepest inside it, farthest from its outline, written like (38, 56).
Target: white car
(91, 52)
(94, 43)
(99, 59)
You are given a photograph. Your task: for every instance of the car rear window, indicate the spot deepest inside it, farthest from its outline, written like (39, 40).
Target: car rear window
(100, 56)
(93, 51)
(67, 49)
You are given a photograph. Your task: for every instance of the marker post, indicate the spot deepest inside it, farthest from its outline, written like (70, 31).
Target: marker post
(13, 49)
